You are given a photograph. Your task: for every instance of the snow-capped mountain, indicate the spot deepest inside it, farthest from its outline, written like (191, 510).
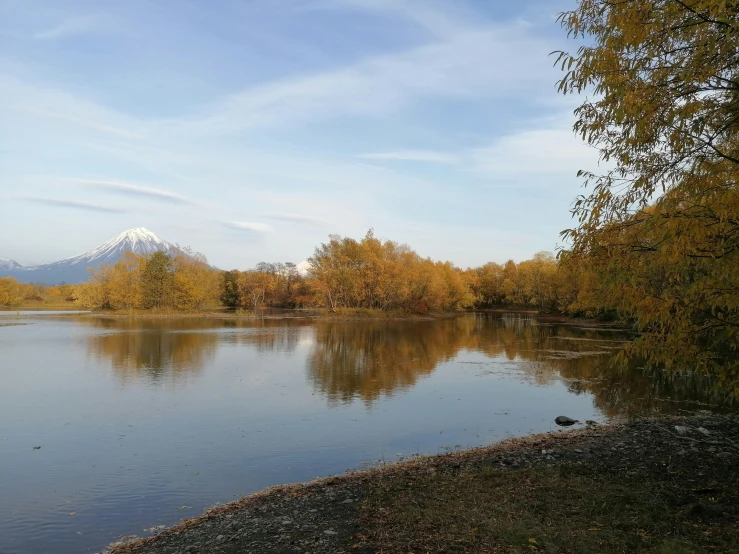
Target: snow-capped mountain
(304, 268)
(74, 269)
(9, 265)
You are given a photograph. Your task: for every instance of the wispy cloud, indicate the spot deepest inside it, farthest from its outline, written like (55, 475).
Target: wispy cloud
(413, 156)
(458, 68)
(80, 122)
(72, 204)
(250, 226)
(19, 97)
(79, 25)
(295, 218)
(128, 189)
(539, 151)
(441, 20)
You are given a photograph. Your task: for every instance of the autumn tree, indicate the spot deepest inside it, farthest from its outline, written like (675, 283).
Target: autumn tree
(195, 284)
(124, 282)
(662, 221)
(230, 288)
(10, 292)
(157, 281)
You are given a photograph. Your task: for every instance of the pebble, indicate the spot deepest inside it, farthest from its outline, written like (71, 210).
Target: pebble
(330, 532)
(220, 538)
(578, 450)
(348, 501)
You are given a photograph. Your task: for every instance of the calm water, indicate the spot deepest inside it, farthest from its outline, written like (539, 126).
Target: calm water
(143, 422)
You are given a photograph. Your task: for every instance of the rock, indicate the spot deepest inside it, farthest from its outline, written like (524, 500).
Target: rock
(348, 501)
(565, 421)
(220, 538)
(330, 532)
(578, 450)
(681, 430)
(703, 430)
(591, 422)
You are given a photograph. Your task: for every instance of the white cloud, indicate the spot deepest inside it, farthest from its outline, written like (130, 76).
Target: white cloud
(413, 156)
(128, 189)
(79, 25)
(249, 226)
(295, 218)
(108, 129)
(439, 19)
(18, 98)
(475, 63)
(539, 151)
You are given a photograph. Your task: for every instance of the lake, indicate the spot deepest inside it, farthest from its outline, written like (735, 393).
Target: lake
(144, 422)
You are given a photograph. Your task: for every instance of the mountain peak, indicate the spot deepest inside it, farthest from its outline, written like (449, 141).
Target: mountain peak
(142, 239)
(75, 269)
(140, 233)
(7, 265)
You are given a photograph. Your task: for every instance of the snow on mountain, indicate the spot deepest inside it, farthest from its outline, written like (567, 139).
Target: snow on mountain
(304, 268)
(74, 269)
(9, 265)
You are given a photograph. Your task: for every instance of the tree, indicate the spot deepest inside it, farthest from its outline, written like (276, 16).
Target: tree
(157, 281)
(662, 223)
(10, 292)
(254, 286)
(230, 288)
(194, 282)
(124, 282)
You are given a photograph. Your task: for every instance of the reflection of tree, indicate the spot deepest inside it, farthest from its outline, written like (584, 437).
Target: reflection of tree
(153, 347)
(177, 347)
(268, 335)
(370, 359)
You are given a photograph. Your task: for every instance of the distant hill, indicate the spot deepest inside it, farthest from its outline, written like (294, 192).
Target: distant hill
(8, 265)
(74, 270)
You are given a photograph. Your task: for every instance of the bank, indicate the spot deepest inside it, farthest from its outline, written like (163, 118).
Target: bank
(662, 485)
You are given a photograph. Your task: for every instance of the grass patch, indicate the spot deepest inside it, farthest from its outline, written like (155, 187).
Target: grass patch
(561, 509)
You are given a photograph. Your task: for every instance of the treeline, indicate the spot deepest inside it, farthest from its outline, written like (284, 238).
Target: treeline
(13, 293)
(272, 285)
(157, 281)
(345, 274)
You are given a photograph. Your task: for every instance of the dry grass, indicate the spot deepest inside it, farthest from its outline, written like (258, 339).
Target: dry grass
(549, 509)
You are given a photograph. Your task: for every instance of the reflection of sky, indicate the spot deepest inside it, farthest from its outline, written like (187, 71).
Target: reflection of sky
(125, 454)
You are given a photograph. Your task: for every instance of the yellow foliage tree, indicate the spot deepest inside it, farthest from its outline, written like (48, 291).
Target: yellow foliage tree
(10, 292)
(661, 226)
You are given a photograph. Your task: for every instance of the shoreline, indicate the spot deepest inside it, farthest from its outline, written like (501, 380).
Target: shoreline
(318, 315)
(692, 462)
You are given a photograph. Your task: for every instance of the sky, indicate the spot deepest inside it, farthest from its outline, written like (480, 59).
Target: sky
(251, 130)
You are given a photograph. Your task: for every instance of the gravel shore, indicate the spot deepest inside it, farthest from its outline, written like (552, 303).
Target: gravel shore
(423, 505)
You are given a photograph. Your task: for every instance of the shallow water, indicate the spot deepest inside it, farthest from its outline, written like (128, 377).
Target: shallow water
(143, 422)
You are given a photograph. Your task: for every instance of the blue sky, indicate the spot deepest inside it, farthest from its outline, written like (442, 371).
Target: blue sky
(252, 129)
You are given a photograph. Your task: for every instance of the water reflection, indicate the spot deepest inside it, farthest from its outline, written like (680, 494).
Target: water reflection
(374, 359)
(348, 360)
(153, 348)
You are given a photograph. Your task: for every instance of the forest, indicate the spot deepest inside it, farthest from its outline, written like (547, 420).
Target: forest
(366, 274)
